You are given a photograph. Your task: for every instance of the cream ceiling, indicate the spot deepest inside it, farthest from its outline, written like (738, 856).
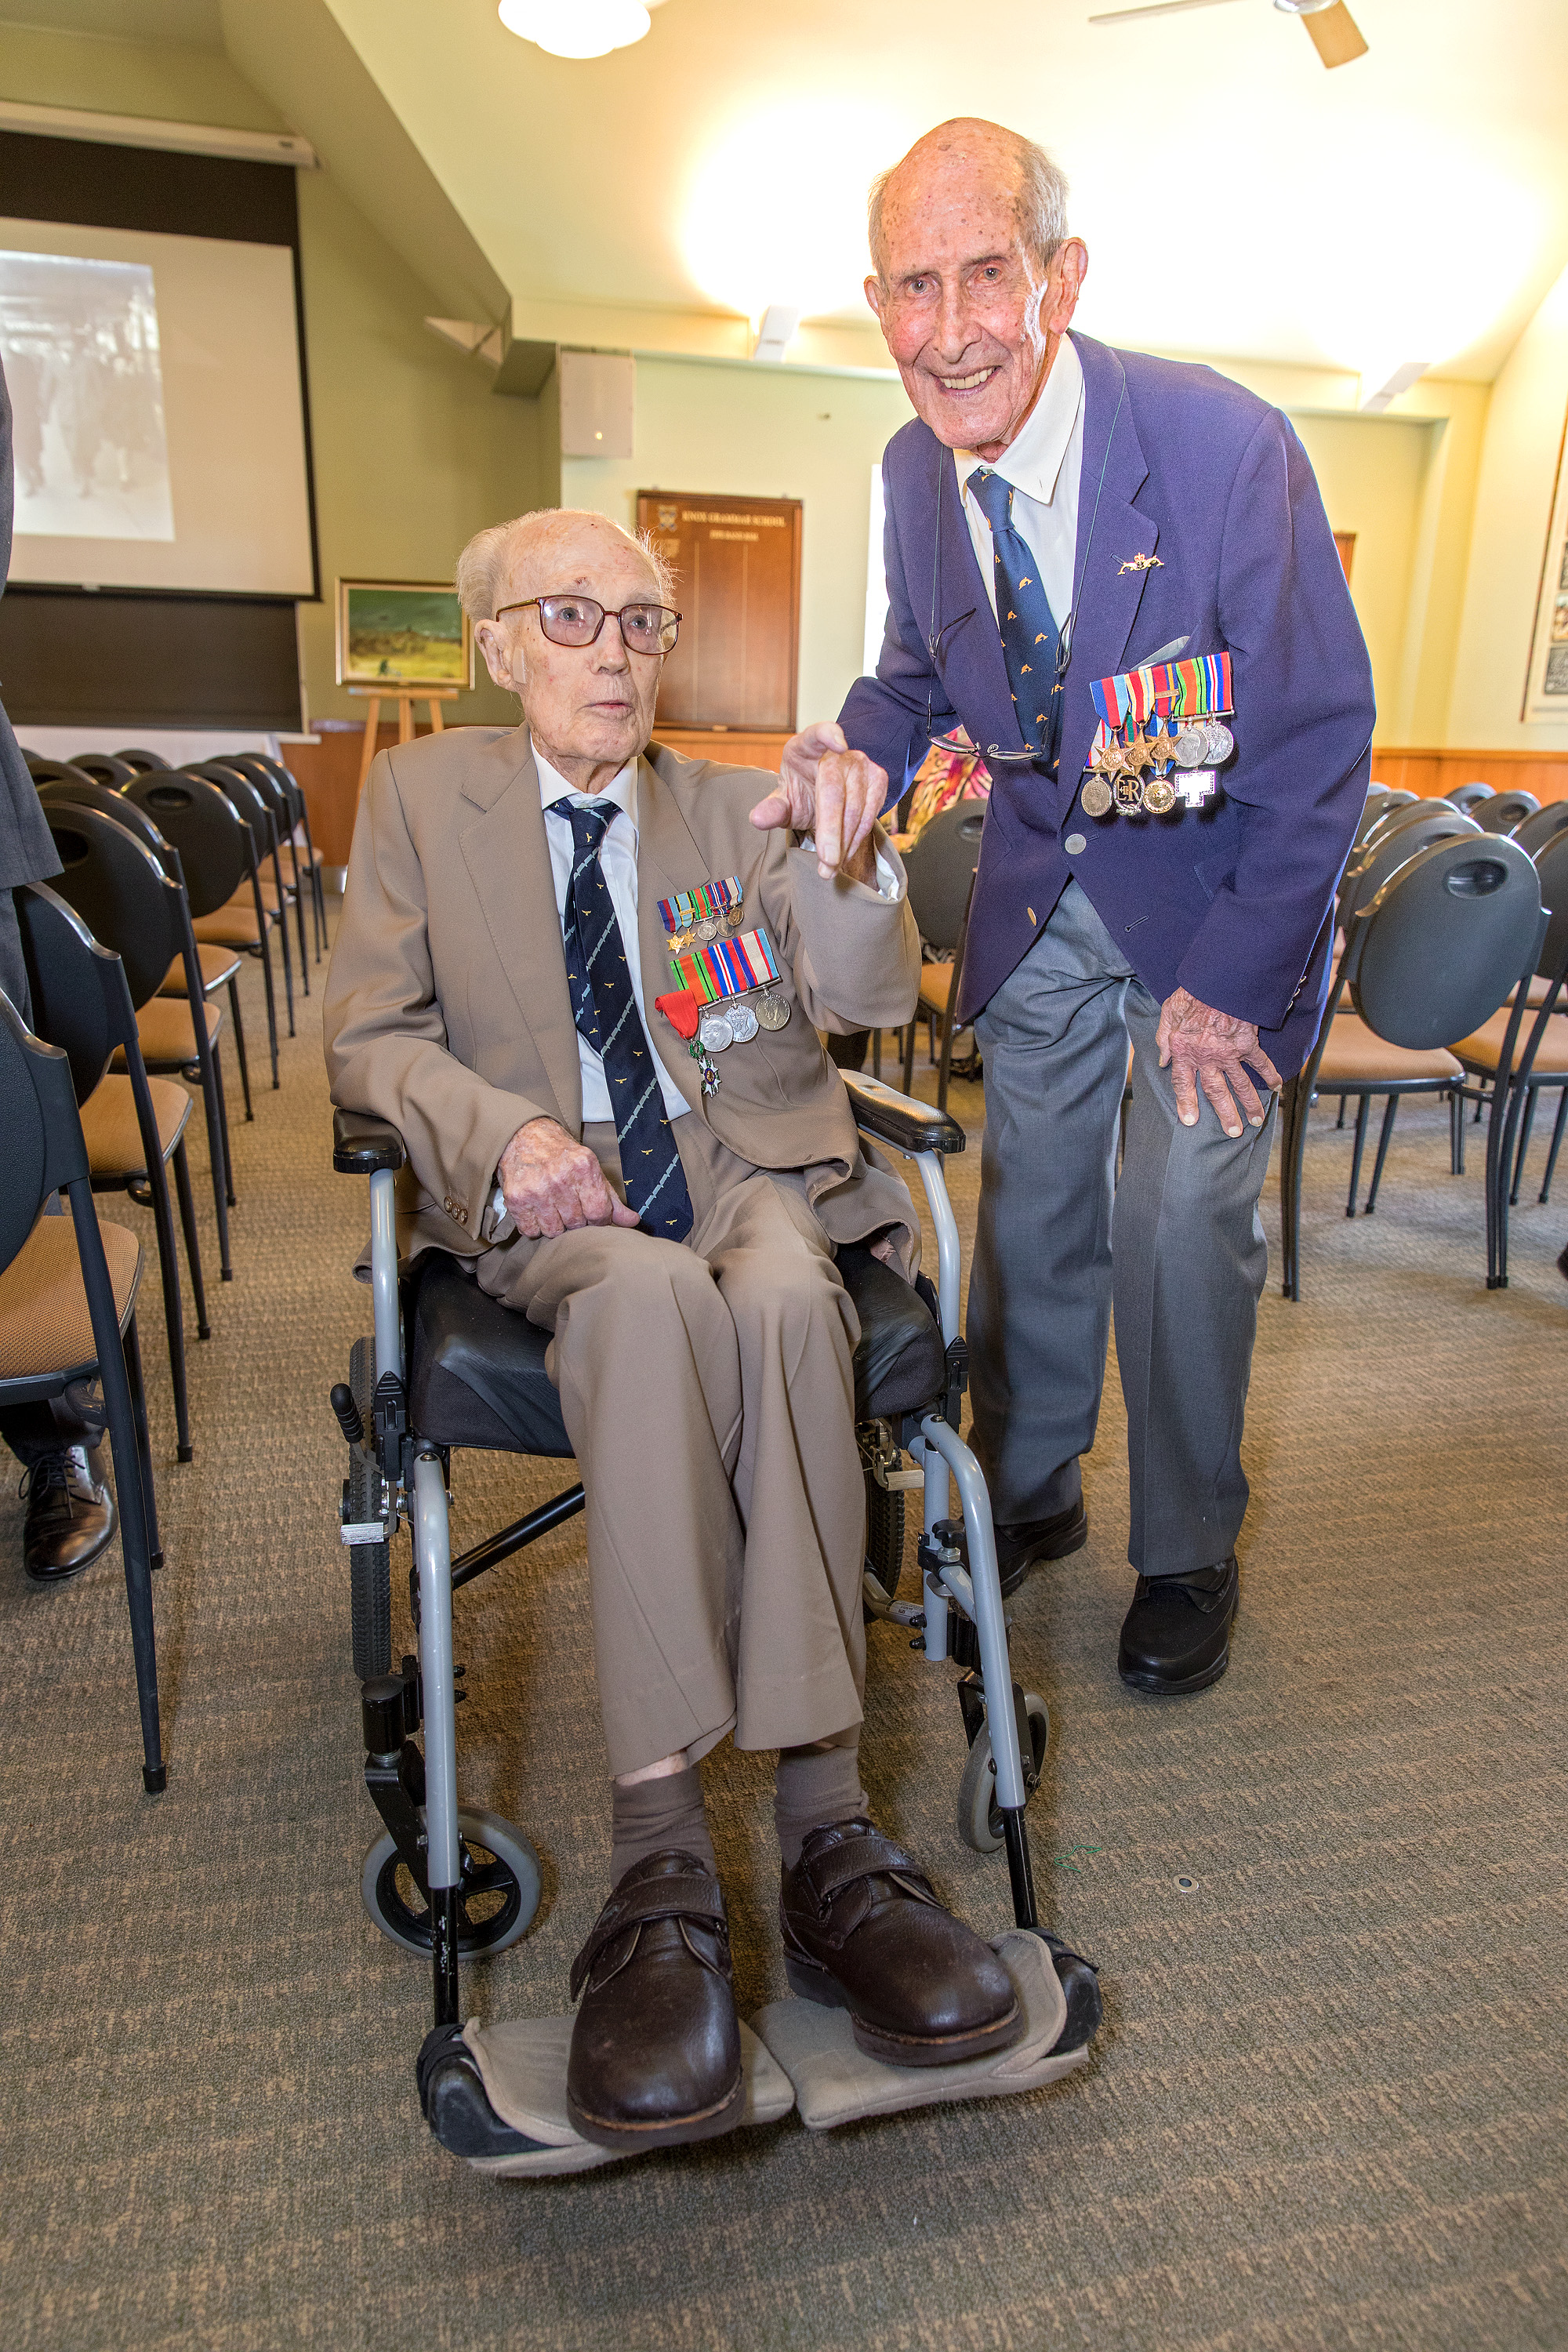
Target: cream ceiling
(1237, 200)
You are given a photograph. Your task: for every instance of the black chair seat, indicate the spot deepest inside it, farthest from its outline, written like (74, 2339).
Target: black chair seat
(478, 1374)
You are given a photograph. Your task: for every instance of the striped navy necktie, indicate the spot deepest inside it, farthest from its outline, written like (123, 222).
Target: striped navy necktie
(1024, 615)
(604, 1008)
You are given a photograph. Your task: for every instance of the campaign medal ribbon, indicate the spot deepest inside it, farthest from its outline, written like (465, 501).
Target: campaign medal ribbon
(703, 912)
(1166, 714)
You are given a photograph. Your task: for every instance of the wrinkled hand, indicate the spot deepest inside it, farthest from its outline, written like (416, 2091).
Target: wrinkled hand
(553, 1185)
(1212, 1050)
(826, 788)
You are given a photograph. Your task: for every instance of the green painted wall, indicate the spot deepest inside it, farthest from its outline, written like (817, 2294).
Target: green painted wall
(766, 432)
(412, 451)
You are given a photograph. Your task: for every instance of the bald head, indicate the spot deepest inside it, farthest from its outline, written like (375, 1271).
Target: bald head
(977, 277)
(985, 157)
(535, 553)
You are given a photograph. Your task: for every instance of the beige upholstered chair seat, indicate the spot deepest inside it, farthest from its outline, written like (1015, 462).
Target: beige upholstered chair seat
(167, 1033)
(1357, 1056)
(1484, 1050)
(109, 1128)
(45, 1326)
(936, 985)
(218, 964)
(231, 926)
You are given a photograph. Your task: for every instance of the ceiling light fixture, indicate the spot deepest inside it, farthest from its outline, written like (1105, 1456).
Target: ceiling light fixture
(577, 28)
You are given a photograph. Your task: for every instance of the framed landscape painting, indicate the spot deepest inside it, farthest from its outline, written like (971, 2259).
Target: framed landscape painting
(402, 634)
(1546, 684)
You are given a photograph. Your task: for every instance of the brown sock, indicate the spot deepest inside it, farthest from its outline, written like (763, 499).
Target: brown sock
(815, 1786)
(652, 1816)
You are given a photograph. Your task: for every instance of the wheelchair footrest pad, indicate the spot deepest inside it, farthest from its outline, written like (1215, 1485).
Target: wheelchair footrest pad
(836, 2082)
(523, 2064)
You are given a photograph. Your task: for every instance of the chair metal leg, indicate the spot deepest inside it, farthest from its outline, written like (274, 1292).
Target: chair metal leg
(912, 1028)
(1545, 1192)
(945, 1065)
(1456, 1132)
(1530, 1094)
(224, 1198)
(300, 912)
(1499, 1141)
(1298, 1103)
(174, 1315)
(233, 1016)
(433, 1556)
(1364, 1109)
(876, 1052)
(133, 1354)
(264, 951)
(217, 1139)
(193, 1247)
(138, 1544)
(1388, 1117)
(1340, 1121)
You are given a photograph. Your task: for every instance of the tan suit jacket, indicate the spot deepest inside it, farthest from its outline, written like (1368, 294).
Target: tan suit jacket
(447, 1010)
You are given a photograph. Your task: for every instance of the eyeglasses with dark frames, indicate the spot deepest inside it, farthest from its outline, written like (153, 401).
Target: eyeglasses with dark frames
(577, 621)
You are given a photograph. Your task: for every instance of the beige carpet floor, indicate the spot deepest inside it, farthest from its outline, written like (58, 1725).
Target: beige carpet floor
(1328, 2107)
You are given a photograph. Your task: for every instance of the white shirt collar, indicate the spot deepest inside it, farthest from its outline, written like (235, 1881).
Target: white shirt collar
(622, 790)
(1032, 461)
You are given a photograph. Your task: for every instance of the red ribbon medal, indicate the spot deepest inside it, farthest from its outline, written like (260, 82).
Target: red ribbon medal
(682, 1012)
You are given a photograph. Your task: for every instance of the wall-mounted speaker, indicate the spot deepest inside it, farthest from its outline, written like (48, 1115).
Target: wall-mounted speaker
(598, 403)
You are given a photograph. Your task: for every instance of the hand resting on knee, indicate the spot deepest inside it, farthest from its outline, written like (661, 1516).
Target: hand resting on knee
(553, 1185)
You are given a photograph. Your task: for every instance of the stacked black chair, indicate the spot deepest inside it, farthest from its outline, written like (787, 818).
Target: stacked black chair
(1465, 796)
(1543, 826)
(1503, 811)
(105, 768)
(940, 871)
(1429, 956)
(68, 1314)
(82, 1004)
(216, 853)
(270, 900)
(143, 762)
(315, 865)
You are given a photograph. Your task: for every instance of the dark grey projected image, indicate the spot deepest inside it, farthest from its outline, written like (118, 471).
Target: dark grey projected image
(80, 340)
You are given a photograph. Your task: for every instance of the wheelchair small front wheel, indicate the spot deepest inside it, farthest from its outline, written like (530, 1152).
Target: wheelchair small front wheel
(496, 1902)
(979, 1815)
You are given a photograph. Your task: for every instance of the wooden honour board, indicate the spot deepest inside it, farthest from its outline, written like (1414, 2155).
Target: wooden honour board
(737, 562)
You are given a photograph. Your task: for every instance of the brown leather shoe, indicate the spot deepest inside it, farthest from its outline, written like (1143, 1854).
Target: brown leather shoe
(656, 2048)
(863, 1930)
(69, 1521)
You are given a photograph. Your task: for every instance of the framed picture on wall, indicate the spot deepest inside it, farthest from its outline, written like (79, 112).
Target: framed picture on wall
(1546, 686)
(402, 632)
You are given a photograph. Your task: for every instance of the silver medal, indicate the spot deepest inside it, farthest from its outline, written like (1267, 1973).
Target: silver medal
(772, 1011)
(742, 1024)
(708, 928)
(1221, 741)
(715, 1032)
(1191, 747)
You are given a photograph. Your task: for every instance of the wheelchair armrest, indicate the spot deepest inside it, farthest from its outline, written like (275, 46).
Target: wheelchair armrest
(899, 1119)
(363, 1145)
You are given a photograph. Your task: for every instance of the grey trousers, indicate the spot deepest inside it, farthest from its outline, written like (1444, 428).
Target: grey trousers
(1177, 1244)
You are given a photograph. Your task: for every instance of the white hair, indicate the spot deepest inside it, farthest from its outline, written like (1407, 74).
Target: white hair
(1039, 200)
(483, 564)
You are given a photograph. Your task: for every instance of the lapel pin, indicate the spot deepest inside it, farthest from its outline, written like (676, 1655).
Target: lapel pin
(1143, 563)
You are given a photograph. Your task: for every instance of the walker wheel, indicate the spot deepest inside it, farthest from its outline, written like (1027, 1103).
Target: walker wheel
(497, 1900)
(979, 1815)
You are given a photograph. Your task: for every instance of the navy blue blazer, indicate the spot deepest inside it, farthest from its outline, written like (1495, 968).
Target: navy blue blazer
(1234, 900)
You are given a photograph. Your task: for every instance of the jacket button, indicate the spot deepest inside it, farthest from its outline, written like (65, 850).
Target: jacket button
(1074, 845)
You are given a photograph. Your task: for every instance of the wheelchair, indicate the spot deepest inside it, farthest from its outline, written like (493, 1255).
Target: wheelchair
(447, 1366)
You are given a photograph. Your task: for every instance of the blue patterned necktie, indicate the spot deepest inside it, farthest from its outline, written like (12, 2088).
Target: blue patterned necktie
(605, 1012)
(1023, 615)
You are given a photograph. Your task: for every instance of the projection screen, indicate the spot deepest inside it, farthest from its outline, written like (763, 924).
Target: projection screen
(159, 428)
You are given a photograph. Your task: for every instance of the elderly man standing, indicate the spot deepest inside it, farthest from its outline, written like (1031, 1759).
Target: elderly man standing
(501, 990)
(1116, 573)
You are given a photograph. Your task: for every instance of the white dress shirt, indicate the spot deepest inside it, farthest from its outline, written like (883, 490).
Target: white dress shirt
(618, 858)
(1044, 465)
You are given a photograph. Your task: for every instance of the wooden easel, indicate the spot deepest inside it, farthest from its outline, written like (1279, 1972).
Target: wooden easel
(405, 698)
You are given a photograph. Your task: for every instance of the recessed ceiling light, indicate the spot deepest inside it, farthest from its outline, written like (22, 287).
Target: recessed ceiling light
(577, 28)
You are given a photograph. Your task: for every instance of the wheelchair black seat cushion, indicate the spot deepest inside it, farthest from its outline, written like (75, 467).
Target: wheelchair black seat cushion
(478, 1376)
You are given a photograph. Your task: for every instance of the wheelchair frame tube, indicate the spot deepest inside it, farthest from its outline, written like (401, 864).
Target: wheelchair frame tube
(383, 1273)
(433, 1551)
(949, 1267)
(985, 1591)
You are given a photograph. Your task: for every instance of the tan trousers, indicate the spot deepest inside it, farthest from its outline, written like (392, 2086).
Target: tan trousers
(708, 1390)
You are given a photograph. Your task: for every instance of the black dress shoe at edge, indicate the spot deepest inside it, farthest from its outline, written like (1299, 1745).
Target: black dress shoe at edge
(69, 1521)
(1020, 1547)
(1079, 1980)
(863, 1930)
(655, 2059)
(1176, 1635)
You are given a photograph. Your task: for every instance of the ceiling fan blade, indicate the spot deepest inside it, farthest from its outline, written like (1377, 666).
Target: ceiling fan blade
(1335, 34)
(1153, 8)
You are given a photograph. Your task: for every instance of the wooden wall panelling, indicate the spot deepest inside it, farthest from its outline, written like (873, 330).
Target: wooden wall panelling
(1434, 772)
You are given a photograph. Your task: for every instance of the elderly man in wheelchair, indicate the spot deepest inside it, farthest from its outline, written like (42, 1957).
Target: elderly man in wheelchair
(573, 1024)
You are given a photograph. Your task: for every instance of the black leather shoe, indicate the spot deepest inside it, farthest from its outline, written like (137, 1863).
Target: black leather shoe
(1176, 1635)
(656, 2047)
(70, 1518)
(863, 1930)
(1019, 1548)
